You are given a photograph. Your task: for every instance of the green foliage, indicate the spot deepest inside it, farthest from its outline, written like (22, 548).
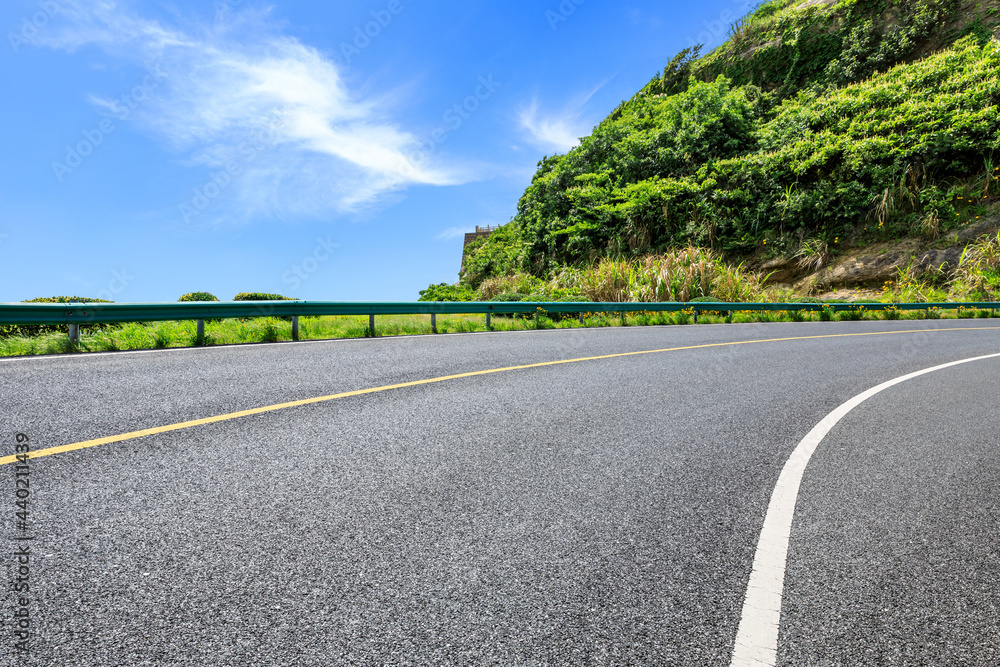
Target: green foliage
(193, 296)
(869, 48)
(446, 292)
(502, 252)
(676, 74)
(682, 275)
(978, 273)
(270, 330)
(263, 296)
(721, 167)
(807, 127)
(199, 296)
(11, 330)
(517, 282)
(66, 299)
(976, 28)
(510, 297)
(637, 184)
(260, 296)
(784, 49)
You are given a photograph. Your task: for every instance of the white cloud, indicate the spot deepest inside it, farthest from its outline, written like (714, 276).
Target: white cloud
(224, 86)
(560, 131)
(453, 233)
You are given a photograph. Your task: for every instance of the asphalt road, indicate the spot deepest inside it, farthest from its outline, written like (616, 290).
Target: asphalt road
(604, 512)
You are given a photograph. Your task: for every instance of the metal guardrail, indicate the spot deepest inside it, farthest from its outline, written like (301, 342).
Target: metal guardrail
(75, 314)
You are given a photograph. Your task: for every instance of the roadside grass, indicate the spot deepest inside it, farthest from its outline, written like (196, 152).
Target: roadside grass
(162, 335)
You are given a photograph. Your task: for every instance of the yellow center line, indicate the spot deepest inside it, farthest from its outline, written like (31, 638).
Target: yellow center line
(61, 449)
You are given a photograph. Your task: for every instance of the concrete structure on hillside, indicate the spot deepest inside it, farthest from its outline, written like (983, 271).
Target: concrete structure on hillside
(480, 233)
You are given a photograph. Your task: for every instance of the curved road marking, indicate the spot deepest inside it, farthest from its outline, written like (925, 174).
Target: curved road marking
(757, 637)
(361, 392)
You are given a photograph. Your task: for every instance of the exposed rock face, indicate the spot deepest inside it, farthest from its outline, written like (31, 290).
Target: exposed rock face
(782, 270)
(873, 271)
(873, 266)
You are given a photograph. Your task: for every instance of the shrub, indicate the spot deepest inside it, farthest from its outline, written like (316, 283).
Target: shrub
(446, 292)
(261, 296)
(711, 299)
(510, 297)
(270, 331)
(11, 330)
(852, 315)
(501, 253)
(198, 296)
(518, 282)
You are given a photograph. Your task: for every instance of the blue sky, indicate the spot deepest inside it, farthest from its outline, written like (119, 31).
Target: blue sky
(323, 150)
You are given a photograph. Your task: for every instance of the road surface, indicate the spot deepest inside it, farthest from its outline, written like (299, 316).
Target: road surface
(605, 511)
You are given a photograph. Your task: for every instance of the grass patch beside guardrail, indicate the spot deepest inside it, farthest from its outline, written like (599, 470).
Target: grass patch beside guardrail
(161, 335)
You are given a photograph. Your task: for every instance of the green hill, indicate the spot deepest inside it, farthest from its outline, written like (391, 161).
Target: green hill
(817, 125)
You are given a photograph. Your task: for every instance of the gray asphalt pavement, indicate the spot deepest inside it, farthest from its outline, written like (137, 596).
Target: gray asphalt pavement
(598, 513)
(895, 551)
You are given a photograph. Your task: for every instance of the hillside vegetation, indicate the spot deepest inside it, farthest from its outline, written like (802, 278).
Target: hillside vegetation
(817, 125)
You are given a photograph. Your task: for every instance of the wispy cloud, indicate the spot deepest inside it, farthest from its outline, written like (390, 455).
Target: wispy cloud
(559, 130)
(453, 233)
(328, 146)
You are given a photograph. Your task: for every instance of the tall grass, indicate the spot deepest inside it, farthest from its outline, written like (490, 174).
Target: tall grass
(681, 275)
(519, 283)
(978, 271)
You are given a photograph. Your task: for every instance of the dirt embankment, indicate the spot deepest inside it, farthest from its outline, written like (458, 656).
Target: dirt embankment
(868, 268)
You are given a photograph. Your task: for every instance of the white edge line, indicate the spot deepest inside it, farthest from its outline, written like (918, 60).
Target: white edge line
(757, 637)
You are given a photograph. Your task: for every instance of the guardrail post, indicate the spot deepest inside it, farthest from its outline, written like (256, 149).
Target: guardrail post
(488, 320)
(695, 315)
(295, 327)
(201, 330)
(729, 317)
(434, 323)
(581, 317)
(371, 325)
(74, 333)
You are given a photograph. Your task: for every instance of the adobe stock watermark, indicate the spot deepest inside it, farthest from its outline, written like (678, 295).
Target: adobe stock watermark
(453, 118)
(562, 13)
(247, 151)
(718, 29)
(301, 272)
(22, 556)
(364, 35)
(121, 109)
(34, 24)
